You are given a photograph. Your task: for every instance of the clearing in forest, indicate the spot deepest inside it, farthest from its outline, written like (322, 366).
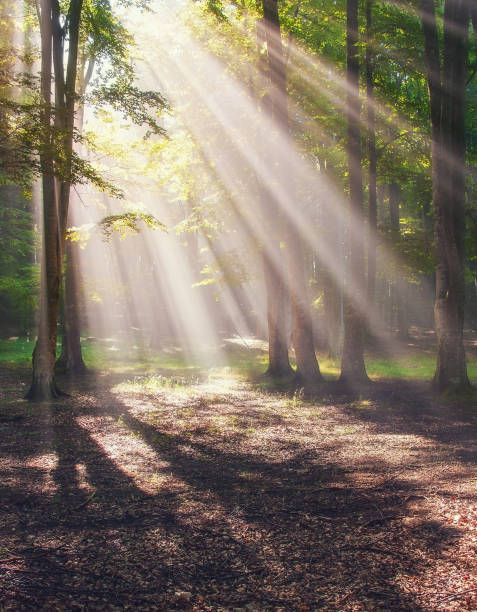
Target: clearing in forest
(191, 492)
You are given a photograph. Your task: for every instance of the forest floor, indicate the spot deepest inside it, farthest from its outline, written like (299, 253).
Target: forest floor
(161, 492)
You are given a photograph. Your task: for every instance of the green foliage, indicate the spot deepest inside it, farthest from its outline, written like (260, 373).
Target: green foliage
(225, 270)
(19, 277)
(126, 224)
(142, 107)
(216, 8)
(18, 299)
(22, 143)
(104, 38)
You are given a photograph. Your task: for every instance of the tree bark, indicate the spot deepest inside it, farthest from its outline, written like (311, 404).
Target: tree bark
(55, 194)
(332, 311)
(65, 88)
(307, 370)
(447, 98)
(353, 370)
(272, 255)
(371, 138)
(43, 386)
(398, 282)
(71, 358)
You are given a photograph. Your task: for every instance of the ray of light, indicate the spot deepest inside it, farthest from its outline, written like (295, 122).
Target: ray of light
(244, 152)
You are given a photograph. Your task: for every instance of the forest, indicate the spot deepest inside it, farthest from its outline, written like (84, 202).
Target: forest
(238, 305)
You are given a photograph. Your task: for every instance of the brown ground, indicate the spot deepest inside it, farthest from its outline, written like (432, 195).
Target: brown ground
(150, 495)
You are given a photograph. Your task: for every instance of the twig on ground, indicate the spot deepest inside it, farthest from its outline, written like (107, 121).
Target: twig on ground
(378, 520)
(86, 501)
(452, 596)
(350, 592)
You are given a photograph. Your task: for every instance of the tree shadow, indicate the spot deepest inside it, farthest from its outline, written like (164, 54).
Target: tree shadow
(289, 529)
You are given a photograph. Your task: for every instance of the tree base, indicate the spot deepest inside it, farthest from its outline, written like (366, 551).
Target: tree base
(280, 373)
(309, 379)
(71, 367)
(44, 389)
(354, 381)
(445, 385)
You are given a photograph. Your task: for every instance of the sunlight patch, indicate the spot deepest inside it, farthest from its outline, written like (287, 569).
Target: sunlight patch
(46, 462)
(45, 465)
(128, 452)
(82, 477)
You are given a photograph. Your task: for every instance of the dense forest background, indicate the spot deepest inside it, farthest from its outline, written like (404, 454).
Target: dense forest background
(177, 174)
(238, 264)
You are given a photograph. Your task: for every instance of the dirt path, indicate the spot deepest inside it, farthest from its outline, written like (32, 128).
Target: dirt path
(155, 495)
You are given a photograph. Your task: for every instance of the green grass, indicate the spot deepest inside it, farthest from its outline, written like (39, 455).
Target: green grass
(239, 361)
(419, 366)
(16, 352)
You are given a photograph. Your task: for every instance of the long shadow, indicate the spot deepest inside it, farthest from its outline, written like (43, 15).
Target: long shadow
(267, 530)
(292, 496)
(404, 407)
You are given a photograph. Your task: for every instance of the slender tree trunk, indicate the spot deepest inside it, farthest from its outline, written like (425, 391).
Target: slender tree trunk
(372, 190)
(65, 88)
(43, 385)
(303, 339)
(277, 297)
(71, 358)
(447, 98)
(332, 308)
(307, 368)
(398, 282)
(394, 198)
(402, 313)
(272, 255)
(353, 370)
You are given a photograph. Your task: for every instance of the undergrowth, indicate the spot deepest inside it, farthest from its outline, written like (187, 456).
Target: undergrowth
(169, 366)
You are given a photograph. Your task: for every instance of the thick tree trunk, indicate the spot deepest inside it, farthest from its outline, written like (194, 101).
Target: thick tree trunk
(447, 97)
(272, 257)
(277, 319)
(43, 385)
(303, 339)
(451, 370)
(307, 369)
(353, 370)
(55, 198)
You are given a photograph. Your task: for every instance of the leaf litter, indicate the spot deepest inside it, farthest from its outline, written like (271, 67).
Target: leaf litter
(224, 497)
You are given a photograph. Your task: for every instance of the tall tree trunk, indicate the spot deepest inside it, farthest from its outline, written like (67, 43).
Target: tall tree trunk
(276, 292)
(394, 198)
(55, 196)
(303, 339)
(272, 255)
(398, 282)
(332, 312)
(447, 99)
(371, 138)
(71, 358)
(65, 88)
(353, 370)
(43, 385)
